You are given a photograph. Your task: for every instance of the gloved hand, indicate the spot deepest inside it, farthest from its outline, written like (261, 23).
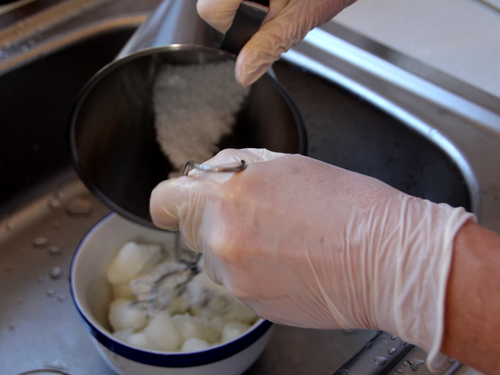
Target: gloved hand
(286, 24)
(307, 244)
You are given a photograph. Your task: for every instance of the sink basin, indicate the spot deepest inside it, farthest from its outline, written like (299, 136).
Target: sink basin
(347, 131)
(408, 138)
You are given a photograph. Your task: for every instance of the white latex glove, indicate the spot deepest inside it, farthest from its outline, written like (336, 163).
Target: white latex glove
(308, 244)
(286, 24)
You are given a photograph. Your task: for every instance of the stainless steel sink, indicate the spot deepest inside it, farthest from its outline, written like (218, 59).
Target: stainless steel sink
(366, 108)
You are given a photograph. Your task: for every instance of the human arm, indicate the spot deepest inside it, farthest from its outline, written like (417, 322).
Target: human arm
(286, 24)
(472, 308)
(307, 244)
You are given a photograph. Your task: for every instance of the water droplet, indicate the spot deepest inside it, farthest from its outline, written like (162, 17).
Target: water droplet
(50, 293)
(56, 272)
(24, 48)
(20, 302)
(40, 280)
(9, 226)
(392, 351)
(405, 363)
(56, 224)
(380, 360)
(41, 242)
(453, 360)
(79, 207)
(55, 250)
(61, 298)
(415, 363)
(12, 327)
(399, 371)
(394, 337)
(342, 372)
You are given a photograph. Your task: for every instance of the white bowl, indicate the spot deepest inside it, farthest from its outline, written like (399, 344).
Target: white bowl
(91, 293)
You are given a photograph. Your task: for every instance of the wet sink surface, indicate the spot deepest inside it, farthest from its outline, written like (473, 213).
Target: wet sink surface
(45, 210)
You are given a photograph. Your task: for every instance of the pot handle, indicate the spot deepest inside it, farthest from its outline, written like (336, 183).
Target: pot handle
(247, 22)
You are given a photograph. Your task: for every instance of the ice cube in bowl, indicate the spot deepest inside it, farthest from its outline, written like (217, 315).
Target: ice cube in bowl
(92, 294)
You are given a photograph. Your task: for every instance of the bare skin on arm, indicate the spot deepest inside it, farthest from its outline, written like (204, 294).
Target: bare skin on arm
(472, 309)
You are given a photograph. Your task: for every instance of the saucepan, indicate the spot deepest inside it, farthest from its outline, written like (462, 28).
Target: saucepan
(115, 140)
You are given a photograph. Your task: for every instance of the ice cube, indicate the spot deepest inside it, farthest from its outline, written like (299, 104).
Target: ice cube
(179, 305)
(162, 332)
(233, 330)
(194, 345)
(140, 340)
(192, 326)
(131, 259)
(124, 334)
(124, 314)
(122, 291)
(239, 312)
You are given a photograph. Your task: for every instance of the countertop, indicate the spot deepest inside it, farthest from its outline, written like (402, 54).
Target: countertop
(458, 37)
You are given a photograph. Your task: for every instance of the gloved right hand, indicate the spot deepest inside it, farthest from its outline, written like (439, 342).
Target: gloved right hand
(286, 24)
(308, 244)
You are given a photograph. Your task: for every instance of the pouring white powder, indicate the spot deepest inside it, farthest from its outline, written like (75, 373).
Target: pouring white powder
(195, 106)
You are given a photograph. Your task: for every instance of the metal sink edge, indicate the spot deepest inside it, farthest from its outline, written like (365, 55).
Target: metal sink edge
(467, 130)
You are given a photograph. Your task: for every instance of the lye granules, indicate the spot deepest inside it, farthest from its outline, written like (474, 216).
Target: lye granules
(195, 106)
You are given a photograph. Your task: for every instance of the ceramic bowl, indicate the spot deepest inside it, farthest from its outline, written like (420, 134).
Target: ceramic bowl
(91, 294)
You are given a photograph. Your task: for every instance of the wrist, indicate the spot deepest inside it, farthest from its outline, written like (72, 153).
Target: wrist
(424, 245)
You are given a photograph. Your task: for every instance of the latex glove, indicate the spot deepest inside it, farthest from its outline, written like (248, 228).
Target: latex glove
(307, 244)
(286, 24)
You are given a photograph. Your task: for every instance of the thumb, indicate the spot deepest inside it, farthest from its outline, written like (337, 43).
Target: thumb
(280, 32)
(218, 13)
(170, 200)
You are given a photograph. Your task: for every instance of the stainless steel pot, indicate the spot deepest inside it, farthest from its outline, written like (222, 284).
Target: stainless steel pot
(112, 132)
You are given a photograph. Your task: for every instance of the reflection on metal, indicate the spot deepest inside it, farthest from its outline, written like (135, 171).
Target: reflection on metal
(468, 131)
(45, 372)
(13, 6)
(493, 4)
(35, 24)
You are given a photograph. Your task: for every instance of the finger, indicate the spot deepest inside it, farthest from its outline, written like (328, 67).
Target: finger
(218, 13)
(169, 201)
(250, 155)
(261, 51)
(285, 29)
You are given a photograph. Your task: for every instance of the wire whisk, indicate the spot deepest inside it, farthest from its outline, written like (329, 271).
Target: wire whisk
(170, 280)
